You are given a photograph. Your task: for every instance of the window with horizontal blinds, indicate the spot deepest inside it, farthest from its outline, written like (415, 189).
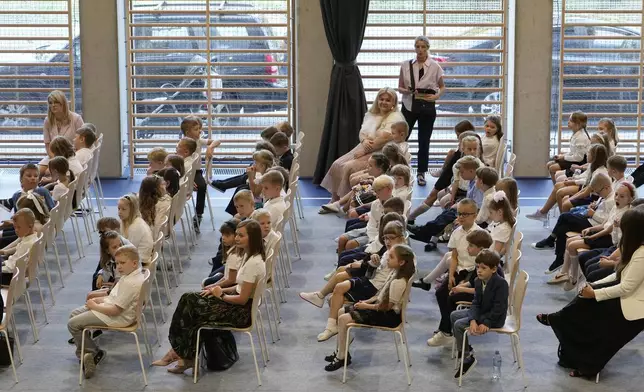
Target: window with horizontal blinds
(39, 53)
(597, 69)
(467, 38)
(227, 62)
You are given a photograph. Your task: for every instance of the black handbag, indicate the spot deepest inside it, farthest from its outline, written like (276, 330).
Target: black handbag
(420, 106)
(5, 360)
(220, 349)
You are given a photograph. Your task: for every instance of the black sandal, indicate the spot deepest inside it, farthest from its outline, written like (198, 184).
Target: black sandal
(420, 178)
(543, 319)
(337, 364)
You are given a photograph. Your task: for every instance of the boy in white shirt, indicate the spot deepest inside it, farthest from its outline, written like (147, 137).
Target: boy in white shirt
(185, 148)
(116, 309)
(272, 183)
(23, 223)
(486, 178)
(191, 127)
(83, 142)
(616, 168)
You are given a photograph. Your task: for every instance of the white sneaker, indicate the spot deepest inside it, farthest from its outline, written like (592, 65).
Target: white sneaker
(440, 339)
(570, 285)
(330, 275)
(537, 216)
(559, 278)
(313, 298)
(327, 334)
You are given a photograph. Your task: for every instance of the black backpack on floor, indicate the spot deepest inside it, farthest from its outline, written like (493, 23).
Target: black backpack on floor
(220, 349)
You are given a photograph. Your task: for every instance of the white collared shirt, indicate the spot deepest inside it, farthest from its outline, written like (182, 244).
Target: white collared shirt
(276, 206)
(23, 246)
(458, 241)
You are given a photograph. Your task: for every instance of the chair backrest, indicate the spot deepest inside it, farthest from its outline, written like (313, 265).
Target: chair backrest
(287, 212)
(518, 295)
(179, 200)
(509, 246)
(405, 300)
(81, 187)
(36, 256)
(270, 262)
(513, 159)
(11, 295)
(407, 208)
(92, 166)
(143, 295)
(57, 214)
(158, 242)
(500, 155)
(196, 161)
(514, 270)
(152, 265)
(257, 296)
(49, 228)
(21, 265)
(509, 170)
(295, 172)
(70, 201)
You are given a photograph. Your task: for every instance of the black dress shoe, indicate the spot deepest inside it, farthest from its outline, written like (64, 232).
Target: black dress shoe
(413, 229)
(431, 246)
(421, 285)
(337, 364)
(217, 184)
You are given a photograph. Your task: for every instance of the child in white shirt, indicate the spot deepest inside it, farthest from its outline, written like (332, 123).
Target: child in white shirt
(502, 216)
(134, 228)
(23, 223)
(486, 179)
(492, 140)
(272, 183)
(116, 309)
(60, 173)
(83, 142)
(154, 203)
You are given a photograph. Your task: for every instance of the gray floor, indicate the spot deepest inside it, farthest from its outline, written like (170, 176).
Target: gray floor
(296, 362)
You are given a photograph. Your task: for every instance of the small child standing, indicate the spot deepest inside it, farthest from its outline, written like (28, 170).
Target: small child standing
(118, 309)
(399, 132)
(272, 183)
(23, 223)
(492, 140)
(156, 159)
(134, 228)
(489, 307)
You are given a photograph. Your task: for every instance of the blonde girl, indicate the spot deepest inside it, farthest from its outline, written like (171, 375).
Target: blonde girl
(596, 237)
(607, 126)
(383, 309)
(579, 145)
(509, 186)
(502, 215)
(596, 138)
(262, 161)
(134, 228)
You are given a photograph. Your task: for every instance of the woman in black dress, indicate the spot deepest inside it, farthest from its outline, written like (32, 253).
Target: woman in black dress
(606, 314)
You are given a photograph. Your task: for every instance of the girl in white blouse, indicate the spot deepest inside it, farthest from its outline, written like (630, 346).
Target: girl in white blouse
(503, 219)
(492, 140)
(134, 228)
(579, 145)
(60, 173)
(383, 310)
(154, 202)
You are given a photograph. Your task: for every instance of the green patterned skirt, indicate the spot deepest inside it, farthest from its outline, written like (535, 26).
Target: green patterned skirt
(195, 311)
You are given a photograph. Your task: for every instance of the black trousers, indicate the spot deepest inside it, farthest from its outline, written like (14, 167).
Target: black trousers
(232, 182)
(447, 303)
(425, 129)
(638, 176)
(567, 222)
(354, 223)
(202, 188)
(435, 227)
(231, 205)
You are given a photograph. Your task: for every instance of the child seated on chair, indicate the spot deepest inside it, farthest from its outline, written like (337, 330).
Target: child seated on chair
(134, 228)
(154, 203)
(61, 177)
(156, 157)
(272, 183)
(231, 258)
(23, 223)
(83, 142)
(176, 162)
(282, 145)
(171, 177)
(239, 180)
(104, 277)
(383, 309)
(489, 307)
(357, 283)
(454, 155)
(118, 309)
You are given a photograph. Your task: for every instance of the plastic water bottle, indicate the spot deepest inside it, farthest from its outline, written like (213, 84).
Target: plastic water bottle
(496, 366)
(546, 222)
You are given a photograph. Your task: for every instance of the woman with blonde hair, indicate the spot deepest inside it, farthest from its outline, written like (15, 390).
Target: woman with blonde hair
(374, 134)
(60, 121)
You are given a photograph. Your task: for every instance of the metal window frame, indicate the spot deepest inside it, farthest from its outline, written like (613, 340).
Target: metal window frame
(16, 152)
(561, 145)
(207, 9)
(438, 147)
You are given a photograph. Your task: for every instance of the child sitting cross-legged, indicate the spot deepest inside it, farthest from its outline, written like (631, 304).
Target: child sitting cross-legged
(383, 309)
(23, 223)
(489, 307)
(118, 309)
(461, 266)
(356, 284)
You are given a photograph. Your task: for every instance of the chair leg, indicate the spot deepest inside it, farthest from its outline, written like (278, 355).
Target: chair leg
(520, 356)
(176, 251)
(154, 319)
(42, 299)
(156, 283)
(32, 319)
(13, 365)
(144, 331)
(404, 357)
(270, 323)
(82, 359)
(174, 269)
(195, 371)
(404, 335)
(252, 347)
(69, 257)
(77, 237)
(514, 348)
(346, 354)
(396, 344)
(16, 336)
(51, 289)
(186, 234)
(261, 336)
(60, 268)
(596, 378)
(460, 375)
(164, 276)
(212, 217)
(138, 350)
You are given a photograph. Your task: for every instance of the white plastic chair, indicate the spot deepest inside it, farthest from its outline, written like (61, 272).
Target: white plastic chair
(293, 180)
(289, 217)
(398, 331)
(8, 321)
(511, 327)
(255, 323)
(59, 221)
(21, 291)
(195, 167)
(49, 230)
(139, 322)
(152, 267)
(37, 256)
(95, 180)
(68, 211)
(158, 248)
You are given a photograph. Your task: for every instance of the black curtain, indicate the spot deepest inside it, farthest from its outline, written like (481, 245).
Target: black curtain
(344, 25)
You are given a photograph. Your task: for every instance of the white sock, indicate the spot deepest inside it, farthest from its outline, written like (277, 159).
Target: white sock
(332, 324)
